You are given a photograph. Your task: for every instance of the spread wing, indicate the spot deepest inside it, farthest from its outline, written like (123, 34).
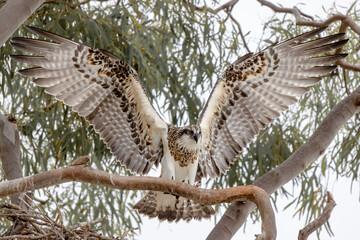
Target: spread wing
(254, 90)
(101, 88)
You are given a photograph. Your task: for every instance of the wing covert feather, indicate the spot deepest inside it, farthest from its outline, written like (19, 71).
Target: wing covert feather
(253, 91)
(101, 88)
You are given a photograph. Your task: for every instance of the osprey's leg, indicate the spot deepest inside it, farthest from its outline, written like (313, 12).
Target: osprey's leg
(168, 167)
(192, 172)
(165, 200)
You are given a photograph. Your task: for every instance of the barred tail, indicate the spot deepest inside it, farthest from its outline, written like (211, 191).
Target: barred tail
(168, 207)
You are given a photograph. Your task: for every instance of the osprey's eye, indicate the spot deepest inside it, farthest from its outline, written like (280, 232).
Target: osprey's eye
(188, 132)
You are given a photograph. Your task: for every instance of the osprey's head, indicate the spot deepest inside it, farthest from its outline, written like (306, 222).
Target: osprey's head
(190, 137)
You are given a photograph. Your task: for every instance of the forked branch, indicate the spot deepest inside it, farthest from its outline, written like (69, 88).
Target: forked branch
(80, 172)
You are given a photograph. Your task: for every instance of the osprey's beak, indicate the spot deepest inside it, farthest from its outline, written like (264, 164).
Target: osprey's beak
(196, 137)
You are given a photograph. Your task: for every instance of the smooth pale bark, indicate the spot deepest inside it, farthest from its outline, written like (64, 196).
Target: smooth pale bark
(83, 173)
(13, 14)
(236, 214)
(10, 152)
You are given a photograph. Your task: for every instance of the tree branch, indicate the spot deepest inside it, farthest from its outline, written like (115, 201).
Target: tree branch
(10, 152)
(239, 29)
(278, 9)
(348, 66)
(346, 21)
(14, 13)
(237, 212)
(38, 225)
(311, 227)
(83, 173)
(226, 6)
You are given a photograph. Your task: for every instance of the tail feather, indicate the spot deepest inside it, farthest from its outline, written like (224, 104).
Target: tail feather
(188, 210)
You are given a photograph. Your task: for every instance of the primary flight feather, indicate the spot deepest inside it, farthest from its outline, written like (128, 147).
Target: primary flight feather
(107, 92)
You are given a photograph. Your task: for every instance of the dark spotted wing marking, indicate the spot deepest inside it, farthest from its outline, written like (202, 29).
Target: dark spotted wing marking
(254, 90)
(101, 88)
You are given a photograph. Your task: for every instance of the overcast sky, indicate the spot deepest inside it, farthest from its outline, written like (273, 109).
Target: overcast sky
(344, 219)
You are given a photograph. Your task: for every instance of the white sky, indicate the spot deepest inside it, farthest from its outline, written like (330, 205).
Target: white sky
(344, 219)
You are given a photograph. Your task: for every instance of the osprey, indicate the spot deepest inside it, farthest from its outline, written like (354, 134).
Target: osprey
(107, 92)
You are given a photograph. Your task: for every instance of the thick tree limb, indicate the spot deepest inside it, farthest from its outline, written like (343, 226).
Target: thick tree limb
(10, 152)
(13, 14)
(82, 173)
(236, 214)
(311, 227)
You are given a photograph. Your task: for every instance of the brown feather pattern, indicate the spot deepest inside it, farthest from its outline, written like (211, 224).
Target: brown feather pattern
(188, 211)
(101, 88)
(108, 94)
(254, 90)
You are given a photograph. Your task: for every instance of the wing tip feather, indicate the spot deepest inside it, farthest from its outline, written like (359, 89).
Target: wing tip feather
(50, 35)
(29, 72)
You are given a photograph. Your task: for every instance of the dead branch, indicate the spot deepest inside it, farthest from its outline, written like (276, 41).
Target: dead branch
(317, 223)
(83, 173)
(123, 237)
(278, 9)
(346, 21)
(237, 212)
(37, 225)
(226, 6)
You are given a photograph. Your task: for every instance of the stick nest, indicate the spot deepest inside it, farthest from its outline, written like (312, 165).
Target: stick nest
(30, 224)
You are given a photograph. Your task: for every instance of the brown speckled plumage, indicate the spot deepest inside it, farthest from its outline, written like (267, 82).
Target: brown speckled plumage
(188, 211)
(181, 154)
(107, 92)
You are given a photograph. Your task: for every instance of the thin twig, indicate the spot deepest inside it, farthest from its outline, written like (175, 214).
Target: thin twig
(57, 206)
(26, 237)
(226, 6)
(201, 9)
(317, 223)
(36, 225)
(346, 21)
(42, 202)
(239, 29)
(123, 237)
(345, 81)
(278, 9)
(84, 224)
